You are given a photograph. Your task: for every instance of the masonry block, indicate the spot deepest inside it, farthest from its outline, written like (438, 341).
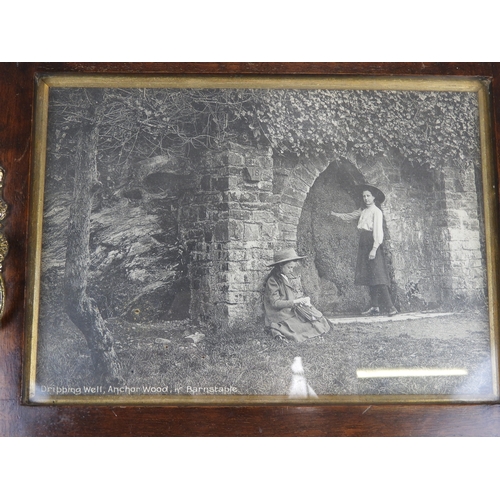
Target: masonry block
(472, 243)
(232, 158)
(299, 192)
(269, 231)
(291, 200)
(251, 232)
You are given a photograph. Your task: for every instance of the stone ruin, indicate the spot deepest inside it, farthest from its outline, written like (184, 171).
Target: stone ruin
(194, 240)
(240, 203)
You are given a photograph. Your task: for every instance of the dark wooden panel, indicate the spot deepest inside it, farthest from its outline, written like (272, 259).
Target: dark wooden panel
(408, 420)
(16, 105)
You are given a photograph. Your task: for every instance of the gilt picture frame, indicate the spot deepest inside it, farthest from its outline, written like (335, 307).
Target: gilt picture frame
(171, 230)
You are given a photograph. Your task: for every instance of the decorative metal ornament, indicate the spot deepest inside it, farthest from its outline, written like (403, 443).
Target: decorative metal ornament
(4, 246)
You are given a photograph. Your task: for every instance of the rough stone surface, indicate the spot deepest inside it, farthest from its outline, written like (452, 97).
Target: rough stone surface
(227, 272)
(196, 241)
(431, 233)
(135, 269)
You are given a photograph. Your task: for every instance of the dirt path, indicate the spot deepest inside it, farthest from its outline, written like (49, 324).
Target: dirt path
(420, 325)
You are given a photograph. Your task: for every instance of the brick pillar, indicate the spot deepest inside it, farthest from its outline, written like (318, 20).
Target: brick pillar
(228, 225)
(203, 230)
(462, 215)
(252, 231)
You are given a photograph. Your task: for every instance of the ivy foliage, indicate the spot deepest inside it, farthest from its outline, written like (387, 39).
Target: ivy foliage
(427, 128)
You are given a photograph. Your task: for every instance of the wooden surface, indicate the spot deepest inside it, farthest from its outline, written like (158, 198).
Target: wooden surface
(16, 107)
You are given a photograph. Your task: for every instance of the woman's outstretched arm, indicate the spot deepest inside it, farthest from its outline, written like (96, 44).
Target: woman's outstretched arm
(349, 216)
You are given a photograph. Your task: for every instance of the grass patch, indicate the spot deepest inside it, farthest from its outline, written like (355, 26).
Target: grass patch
(256, 364)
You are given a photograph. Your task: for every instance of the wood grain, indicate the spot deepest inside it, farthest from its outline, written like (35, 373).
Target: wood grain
(16, 105)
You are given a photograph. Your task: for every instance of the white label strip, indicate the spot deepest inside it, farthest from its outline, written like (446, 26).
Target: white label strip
(411, 372)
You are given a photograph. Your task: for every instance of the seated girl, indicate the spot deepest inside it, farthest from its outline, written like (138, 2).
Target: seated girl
(288, 313)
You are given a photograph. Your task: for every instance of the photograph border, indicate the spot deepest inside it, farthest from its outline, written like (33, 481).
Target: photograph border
(414, 83)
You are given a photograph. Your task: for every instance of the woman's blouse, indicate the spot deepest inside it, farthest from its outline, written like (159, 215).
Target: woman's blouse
(370, 219)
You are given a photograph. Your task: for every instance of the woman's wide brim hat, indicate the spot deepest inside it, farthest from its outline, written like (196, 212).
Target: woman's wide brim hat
(287, 255)
(379, 195)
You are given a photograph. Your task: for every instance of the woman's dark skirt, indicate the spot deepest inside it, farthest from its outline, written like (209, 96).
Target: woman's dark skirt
(370, 272)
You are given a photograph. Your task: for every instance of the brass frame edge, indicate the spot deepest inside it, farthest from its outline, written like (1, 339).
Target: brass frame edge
(35, 237)
(491, 224)
(259, 400)
(300, 82)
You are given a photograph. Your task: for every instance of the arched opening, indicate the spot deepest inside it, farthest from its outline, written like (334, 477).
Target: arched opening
(431, 236)
(331, 243)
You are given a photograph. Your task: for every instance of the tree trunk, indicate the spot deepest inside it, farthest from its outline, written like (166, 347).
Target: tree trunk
(81, 308)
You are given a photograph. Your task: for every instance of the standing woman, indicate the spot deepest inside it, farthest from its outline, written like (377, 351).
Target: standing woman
(288, 313)
(371, 268)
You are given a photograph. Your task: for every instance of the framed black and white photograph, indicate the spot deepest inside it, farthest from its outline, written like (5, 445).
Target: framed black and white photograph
(230, 240)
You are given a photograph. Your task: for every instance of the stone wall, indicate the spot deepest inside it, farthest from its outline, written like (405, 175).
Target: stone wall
(243, 204)
(203, 223)
(433, 242)
(463, 232)
(228, 223)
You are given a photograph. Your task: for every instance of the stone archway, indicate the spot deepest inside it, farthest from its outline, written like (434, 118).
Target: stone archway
(243, 203)
(330, 243)
(433, 243)
(309, 190)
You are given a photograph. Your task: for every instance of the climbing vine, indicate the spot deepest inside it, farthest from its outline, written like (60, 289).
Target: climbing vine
(426, 127)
